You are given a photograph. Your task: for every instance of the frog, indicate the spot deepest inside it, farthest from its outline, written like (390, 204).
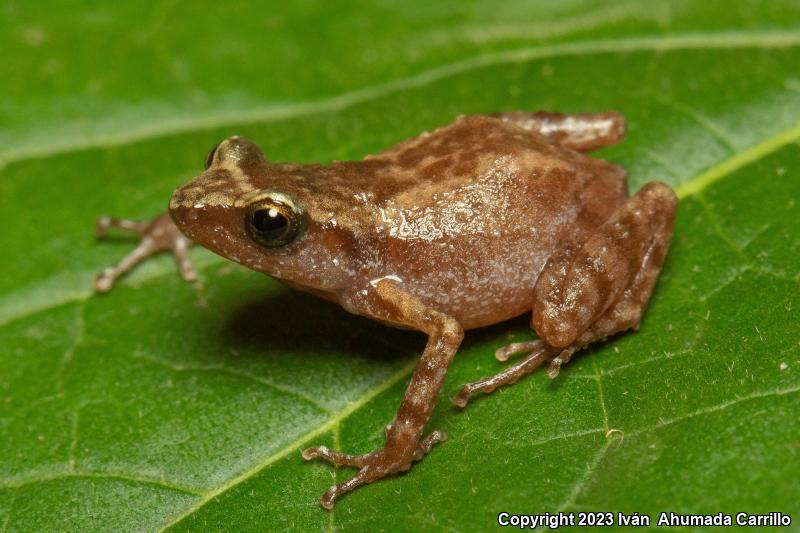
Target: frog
(472, 224)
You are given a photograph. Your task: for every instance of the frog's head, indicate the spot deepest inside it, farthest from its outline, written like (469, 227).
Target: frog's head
(265, 216)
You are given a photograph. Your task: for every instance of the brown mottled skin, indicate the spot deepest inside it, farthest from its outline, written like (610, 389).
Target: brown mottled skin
(469, 225)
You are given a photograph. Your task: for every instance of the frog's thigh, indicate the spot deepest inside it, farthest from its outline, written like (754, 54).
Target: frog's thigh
(578, 131)
(591, 292)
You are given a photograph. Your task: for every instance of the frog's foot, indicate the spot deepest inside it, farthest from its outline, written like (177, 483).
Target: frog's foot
(157, 235)
(372, 466)
(538, 353)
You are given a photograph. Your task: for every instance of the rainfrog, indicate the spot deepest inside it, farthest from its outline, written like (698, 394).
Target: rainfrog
(472, 224)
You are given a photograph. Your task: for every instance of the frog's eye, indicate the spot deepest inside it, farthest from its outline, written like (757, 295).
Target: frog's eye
(210, 156)
(273, 223)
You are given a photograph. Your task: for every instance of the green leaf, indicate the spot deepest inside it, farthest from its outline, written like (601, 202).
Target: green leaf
(168, 405)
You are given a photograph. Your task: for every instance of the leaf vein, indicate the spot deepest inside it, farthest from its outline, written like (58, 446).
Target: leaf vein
(585, 479)
(660, 161)
(717, 408)
(717, 227)
(600, 396)
(706, 123)
(69, 354)
(19, 482)
(610, 371)
(565, 436)
(232, 372)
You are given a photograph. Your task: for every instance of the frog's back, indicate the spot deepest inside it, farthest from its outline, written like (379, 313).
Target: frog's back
(496, 174)
(469, 213)
(471, 148)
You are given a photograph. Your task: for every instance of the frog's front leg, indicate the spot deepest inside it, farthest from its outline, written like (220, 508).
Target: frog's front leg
(157, 235)
(589, 292)
(404, 442)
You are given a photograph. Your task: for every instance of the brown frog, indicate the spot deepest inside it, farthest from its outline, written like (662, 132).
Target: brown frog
(469, 225)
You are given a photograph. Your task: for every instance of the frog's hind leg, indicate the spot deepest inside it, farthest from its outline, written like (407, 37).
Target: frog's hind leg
(588, 293)
(578, 131)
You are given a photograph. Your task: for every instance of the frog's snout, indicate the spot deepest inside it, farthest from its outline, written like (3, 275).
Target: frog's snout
(213, 226)
(191, 208)
(185, 216)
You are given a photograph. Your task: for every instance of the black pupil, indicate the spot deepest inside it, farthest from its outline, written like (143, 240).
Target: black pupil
(270, 223)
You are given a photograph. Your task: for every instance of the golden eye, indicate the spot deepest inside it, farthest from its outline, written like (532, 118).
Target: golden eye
(273, 223)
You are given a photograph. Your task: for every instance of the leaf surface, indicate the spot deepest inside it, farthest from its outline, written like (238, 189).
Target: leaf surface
(190, 403)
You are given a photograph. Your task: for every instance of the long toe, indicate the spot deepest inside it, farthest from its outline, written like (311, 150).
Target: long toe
(506, 377)
(504, 353)
(337, 458)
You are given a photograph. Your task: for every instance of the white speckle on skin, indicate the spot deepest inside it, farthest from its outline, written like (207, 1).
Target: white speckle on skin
(364, 197)
(783, 366)
(392, 277)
